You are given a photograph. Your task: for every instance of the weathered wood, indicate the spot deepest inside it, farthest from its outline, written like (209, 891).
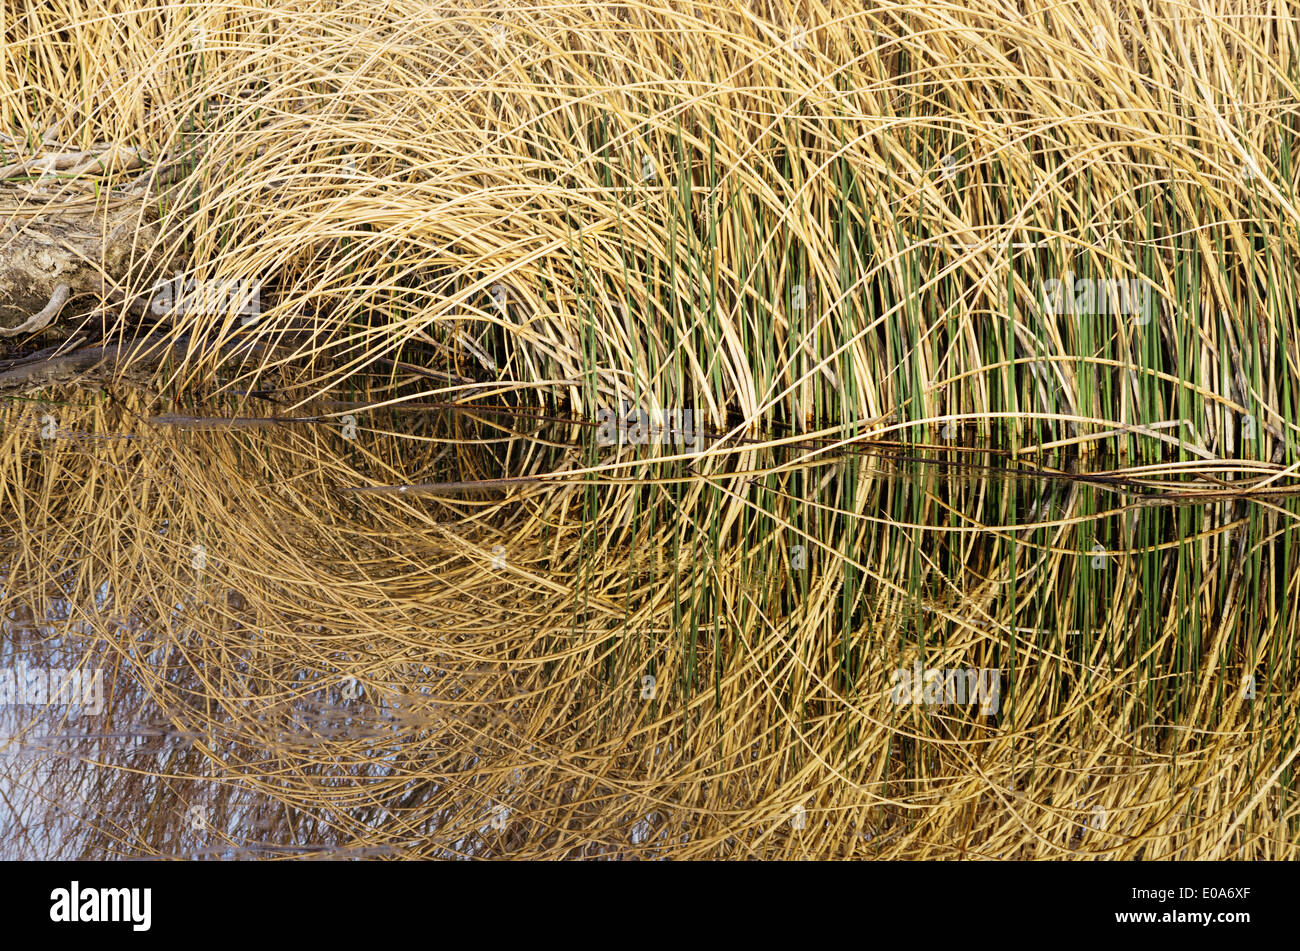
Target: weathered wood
(84, 365)
(103, 362)
(88, 246)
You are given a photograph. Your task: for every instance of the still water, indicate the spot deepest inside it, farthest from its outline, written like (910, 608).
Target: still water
(404, 631)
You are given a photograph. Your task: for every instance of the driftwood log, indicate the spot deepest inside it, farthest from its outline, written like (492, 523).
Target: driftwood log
(56, 249)
(101, 363)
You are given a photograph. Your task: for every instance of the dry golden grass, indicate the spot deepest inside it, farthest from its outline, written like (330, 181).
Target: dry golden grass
(739, 208)
(649, 184)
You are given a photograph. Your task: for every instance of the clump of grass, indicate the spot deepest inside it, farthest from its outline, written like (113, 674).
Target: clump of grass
(817, 228)
(827, 218)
